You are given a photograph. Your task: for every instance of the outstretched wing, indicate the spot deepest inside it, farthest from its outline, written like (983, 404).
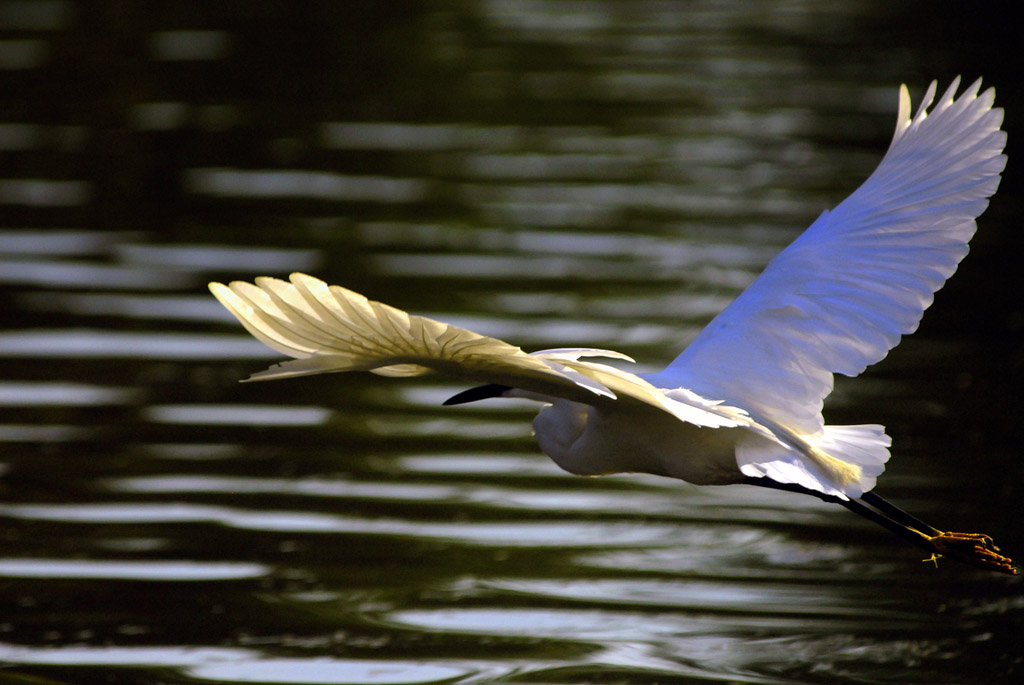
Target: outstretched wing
(843, 293)
(330, 329)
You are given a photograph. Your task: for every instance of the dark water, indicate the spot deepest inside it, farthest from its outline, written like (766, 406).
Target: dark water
(606, 174)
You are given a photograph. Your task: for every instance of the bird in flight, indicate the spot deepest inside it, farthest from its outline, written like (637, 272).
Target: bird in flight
(742, 403)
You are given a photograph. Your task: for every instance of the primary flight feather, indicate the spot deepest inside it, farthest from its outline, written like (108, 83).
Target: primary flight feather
(742, 403)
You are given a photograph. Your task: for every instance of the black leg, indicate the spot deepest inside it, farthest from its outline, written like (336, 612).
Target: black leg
(971, 548)
(912, 534)
(897, 514)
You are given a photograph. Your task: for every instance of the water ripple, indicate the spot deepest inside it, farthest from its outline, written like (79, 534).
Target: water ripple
(86, 343)
(57, 394)
(542, 534)
(65, 274)
(756, 597)
(303, 184)
(329, 670)
(240, 665)
(131, 570)
(236, 415)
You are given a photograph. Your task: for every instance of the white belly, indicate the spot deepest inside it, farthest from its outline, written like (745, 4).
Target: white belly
(590, 442)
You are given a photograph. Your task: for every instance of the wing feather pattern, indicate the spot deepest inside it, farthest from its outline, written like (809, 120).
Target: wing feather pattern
(331, 329)
(844, 292)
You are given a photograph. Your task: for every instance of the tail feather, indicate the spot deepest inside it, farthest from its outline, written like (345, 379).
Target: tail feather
(863, 449)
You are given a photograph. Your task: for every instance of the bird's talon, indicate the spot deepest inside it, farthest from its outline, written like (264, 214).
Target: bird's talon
(976, 549)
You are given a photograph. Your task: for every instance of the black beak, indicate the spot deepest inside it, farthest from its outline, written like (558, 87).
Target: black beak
(480, 392)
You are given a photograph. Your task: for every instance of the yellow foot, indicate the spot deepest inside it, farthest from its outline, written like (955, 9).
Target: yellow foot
(975, 549)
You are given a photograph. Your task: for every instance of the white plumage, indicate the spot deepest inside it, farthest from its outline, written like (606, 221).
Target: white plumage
(743, 402)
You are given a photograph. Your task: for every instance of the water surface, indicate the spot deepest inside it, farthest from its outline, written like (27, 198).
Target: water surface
(606, 174)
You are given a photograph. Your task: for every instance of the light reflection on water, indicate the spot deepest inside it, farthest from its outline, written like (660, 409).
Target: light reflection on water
(91, 276)
(220, 257)
(536, 534)
(236, 415)
(62, 394)
(262, 185)
(561, 174)
(160, 307)
(328, 670)
(83, 343)
(56, 243)
(128, 570)
(240, 665)
(478, 463)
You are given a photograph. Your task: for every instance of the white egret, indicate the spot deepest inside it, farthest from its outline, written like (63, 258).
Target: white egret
(742, 403)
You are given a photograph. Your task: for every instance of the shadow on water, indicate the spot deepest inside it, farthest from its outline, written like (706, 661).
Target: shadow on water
(557, 174)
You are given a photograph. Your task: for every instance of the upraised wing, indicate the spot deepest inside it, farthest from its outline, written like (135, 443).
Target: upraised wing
(842, 294)
(330, 329)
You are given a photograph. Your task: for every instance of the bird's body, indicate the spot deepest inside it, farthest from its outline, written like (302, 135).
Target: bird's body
(742, 403)
(589, 441)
